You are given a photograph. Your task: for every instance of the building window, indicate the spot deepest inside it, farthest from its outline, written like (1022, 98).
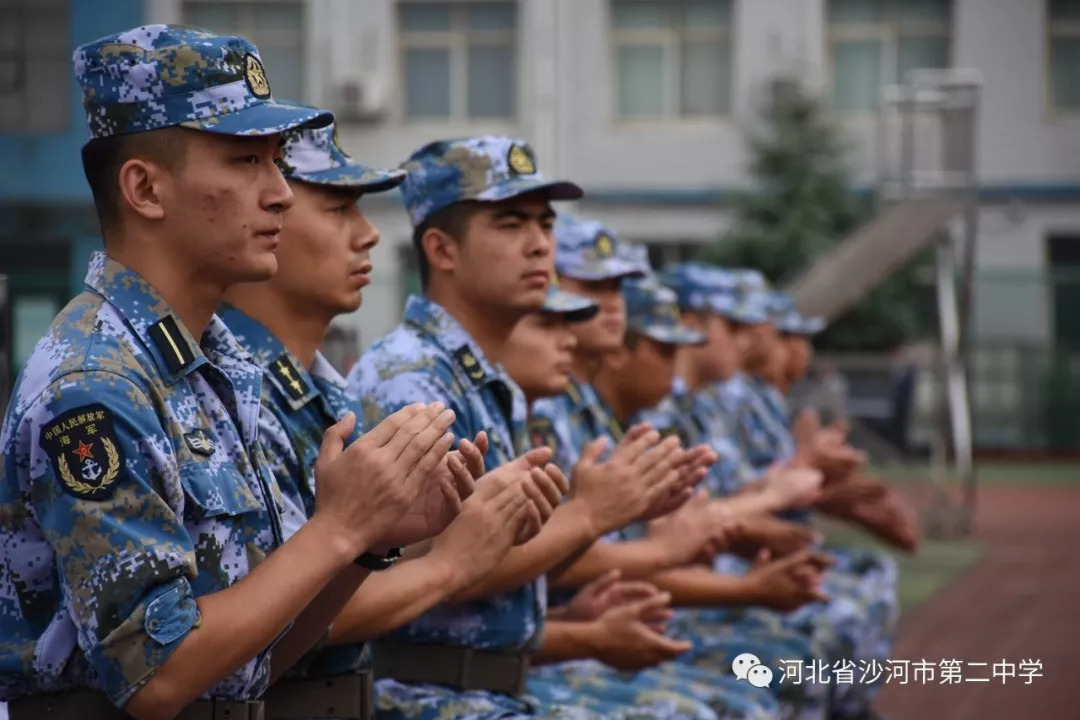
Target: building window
(35, 66)
(1064, 71)
(459, 60)
(874, 43)
(276, 28)
(672, 58)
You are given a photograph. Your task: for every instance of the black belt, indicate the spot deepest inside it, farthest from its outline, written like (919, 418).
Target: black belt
(456, 667)
(342, 697)
(89, 705)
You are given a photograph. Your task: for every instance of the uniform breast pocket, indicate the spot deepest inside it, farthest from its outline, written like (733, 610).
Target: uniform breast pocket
(212, 492)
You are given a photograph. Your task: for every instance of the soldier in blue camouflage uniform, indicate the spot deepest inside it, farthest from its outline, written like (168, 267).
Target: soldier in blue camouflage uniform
(591, 261)
(482, 196)
(539, 350)
(324, 257)
(862, 613)
(134, 486)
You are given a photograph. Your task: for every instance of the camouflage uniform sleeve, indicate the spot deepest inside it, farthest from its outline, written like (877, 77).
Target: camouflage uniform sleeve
(105, 489)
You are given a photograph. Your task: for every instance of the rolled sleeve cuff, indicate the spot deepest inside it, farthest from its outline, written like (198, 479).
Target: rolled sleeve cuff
(129, 656)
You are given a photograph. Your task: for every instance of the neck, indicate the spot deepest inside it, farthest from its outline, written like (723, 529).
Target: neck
(491, 330)
(192, 297)
(687, 369)
(300, 331)
(586, 366)
(608, 389)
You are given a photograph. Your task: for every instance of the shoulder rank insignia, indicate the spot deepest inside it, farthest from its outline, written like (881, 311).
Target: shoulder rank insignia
(85, 454)
(541, 433)
(470, 364)
(170, 342)
(287, 374)
(200, 442)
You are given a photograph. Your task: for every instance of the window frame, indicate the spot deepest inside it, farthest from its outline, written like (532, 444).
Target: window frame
(672, 38)
(1056, 29)
(245, 22)
(888, 32)
(24, 54)
(457, 40)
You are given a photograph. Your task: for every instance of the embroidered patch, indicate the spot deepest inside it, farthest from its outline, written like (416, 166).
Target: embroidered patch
(541, 433)
(86, 456)
(289, 377)
(472, 367)
(200, 442)
(255, 75)
(170, 342)
(520, 160)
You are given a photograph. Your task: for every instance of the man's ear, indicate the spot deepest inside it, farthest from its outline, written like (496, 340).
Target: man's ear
(441, 250)
(141, 188)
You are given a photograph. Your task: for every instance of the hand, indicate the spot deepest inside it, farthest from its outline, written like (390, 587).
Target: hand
(639, 472)
(891, 518)
(788, 583)
(487, 527)
(440, 501)
(693, 465)
(841, 497)
(793, 487)
(831, 456)
(608, 592)
(780, 537)
(365, 489)
(688, 533)
(539, 483)
(625, 637)
(806, 427)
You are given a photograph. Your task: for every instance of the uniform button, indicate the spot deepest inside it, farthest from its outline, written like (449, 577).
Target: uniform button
(154, 624)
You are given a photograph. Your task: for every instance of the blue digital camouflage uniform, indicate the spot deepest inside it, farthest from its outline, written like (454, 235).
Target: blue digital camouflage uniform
(298, 405)
(589, 251)
(133, 480)
(856, 624)
(430, 356)
(133, 484)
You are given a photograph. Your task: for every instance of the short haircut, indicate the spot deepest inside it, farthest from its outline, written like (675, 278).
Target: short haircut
(103, 157)
(452, 220)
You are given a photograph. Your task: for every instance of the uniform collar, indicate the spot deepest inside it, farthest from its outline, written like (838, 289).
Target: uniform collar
(175, 351)
(432, 319)
(284, 371)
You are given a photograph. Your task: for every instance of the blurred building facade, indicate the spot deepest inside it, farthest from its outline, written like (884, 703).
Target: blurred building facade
(646, 103)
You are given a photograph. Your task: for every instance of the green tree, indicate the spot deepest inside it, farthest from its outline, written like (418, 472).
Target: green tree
(804, 204)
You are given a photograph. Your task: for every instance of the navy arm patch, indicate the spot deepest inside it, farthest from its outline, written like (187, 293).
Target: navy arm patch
(85, 454)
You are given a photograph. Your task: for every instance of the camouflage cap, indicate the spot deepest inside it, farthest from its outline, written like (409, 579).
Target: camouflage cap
(794, 323)
(158, 76)
(488, 168)
(652, 309)
(586, 250)
(754, 294)
(314, 155)
(707, 288)
(575, 308)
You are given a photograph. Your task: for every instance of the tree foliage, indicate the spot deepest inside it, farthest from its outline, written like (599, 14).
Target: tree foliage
(802, 205)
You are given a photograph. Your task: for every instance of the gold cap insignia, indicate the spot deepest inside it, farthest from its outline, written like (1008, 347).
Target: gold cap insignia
(255, 75)
(520, 161)
(605, 246)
